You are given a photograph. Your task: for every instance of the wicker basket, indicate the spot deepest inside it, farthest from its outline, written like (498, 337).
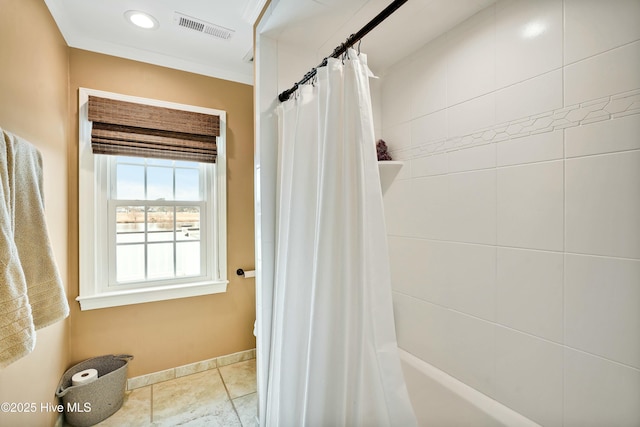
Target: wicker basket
(88, 404)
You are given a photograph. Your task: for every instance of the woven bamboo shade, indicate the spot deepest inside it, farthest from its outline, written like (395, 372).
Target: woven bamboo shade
(130, 129)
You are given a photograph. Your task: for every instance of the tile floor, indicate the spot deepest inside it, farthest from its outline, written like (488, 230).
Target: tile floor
(222, 396)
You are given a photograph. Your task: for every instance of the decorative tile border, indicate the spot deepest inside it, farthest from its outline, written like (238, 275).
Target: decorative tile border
(192, 368)
(610, 107)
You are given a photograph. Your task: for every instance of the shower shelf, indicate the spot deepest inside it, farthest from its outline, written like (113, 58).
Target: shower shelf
(389, 169)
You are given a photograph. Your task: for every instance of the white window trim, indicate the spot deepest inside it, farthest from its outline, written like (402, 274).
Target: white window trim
(93, 248)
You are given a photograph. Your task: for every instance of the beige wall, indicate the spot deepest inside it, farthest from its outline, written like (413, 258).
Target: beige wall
(34, 105)
(166, 334)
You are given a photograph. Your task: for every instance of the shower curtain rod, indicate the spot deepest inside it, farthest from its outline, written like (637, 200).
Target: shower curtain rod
(351, 40)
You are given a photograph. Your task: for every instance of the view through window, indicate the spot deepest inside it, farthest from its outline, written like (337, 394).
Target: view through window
(158, 205)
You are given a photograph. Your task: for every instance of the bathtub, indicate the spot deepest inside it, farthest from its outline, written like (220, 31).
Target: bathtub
(439, 400)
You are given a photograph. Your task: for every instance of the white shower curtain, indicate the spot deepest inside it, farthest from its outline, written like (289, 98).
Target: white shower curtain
(333, 358)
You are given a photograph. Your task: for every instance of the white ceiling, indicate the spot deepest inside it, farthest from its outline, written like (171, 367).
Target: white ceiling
(319, 25)
(100, 26)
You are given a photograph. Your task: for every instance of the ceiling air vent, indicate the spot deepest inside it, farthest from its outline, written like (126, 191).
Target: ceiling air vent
(201, 26)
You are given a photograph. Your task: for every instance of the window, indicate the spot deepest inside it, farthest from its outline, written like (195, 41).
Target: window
(155, 212)
(151, 228)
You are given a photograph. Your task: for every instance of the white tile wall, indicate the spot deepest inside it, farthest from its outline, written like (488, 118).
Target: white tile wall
(430, 127)
(396, 95)
(399, 208)
(514, 232)
(528, 39)
(595, 26)
(543, 93)
(431, 212)
(529, 149)
(430, 91)
(470, 58)
(603, 137)
(529, 292)
(428, 341)
(522, 359)
(470, 348)
(481, 157)
(593, 286)
(469, 116)
(398, 136)
(430, 165)
(598, 392)
(410, 277)
(530, 206)
(470, 214)
(470, 289)
(608, 73)
(603, 204)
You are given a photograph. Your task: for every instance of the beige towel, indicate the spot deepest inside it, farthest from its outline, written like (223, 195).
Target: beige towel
(28, 253)
(17, 333)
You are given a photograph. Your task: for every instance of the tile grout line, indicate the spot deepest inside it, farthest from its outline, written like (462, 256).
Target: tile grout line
(496, 212)
(564, 220)
(514, 329)
(519, 248)
(151, 404)
(233, 405)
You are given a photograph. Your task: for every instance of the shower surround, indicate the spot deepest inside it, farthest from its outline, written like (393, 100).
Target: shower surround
(513, 231)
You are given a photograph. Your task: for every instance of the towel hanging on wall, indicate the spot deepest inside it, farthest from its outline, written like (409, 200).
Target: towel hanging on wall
(31, 291)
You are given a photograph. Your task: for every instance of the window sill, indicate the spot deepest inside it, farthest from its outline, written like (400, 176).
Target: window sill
(142, 295)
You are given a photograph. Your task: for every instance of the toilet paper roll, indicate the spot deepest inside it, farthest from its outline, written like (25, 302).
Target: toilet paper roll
(84, 377)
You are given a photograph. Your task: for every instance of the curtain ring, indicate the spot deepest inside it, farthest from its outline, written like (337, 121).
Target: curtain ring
(359, 43)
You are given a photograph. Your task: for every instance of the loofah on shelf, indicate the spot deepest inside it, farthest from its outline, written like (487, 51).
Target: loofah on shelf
(383, 153)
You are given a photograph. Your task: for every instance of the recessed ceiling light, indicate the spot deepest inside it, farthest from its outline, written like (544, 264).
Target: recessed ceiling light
(141, 19)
